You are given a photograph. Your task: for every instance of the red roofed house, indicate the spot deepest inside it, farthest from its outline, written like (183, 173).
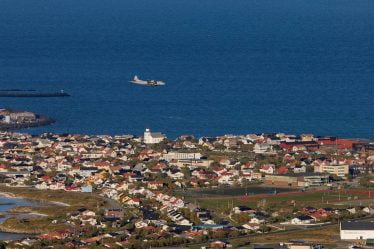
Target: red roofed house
(155, 185)
(268, 168)
(3, 167)
(218, 244)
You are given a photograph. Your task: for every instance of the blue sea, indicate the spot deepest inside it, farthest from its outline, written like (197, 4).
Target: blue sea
(231, 66)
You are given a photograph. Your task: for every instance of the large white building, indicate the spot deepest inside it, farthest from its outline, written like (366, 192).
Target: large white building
(181, 155)
(356, 230)
(153, 137)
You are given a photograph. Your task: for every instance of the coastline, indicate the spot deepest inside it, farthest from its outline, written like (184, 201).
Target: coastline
(11, 224)
(8, 195)
(4, 229)
(12, 213)
(26, 218)
(27, 198)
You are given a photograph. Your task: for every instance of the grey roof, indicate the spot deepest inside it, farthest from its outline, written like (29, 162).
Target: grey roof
(304, 217)
(15, 173)
(157, 134)
(357, 225)
(88, 168)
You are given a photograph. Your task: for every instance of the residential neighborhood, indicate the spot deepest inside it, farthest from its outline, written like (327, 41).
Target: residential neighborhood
(207, 192)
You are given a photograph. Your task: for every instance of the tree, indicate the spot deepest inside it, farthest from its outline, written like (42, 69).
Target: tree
(262, 204)
(219, 146)
(187, 173)
(244, 160)
(365, 181)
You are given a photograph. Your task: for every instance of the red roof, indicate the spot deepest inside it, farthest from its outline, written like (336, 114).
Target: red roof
(46, 178)
(102, 164)
(70, 187)
(340, 143)
(155, 183)
(282, 170)
(267, 166)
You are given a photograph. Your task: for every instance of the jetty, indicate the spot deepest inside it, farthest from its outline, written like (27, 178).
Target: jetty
(31, 93)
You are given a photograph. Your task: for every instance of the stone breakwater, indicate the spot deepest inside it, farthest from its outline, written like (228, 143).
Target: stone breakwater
(13, 93)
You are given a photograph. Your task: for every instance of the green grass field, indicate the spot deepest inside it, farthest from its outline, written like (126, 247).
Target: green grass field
(315, 199)
(328, 236)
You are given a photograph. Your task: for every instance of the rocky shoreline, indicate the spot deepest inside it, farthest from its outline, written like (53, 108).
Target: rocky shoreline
(5, 229)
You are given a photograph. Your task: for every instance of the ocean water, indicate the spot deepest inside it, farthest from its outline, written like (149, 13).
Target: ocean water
(239, 66)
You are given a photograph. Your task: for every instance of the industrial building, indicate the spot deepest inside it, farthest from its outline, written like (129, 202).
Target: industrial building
(356, 230)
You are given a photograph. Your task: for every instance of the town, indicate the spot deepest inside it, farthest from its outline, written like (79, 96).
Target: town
(231, 191)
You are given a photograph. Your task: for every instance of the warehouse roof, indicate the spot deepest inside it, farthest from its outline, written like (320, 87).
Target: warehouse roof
(357, 225)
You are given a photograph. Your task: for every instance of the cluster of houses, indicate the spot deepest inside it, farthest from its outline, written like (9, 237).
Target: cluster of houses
(140, 173)
(311, 215)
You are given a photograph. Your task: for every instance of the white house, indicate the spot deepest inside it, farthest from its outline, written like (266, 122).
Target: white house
(257, 220)
(42, 185)
(140, 224)
(175, 175)
(299, 169)
(242, 209)
(368, 210)
(184, 222)
(57, 186)
(226, 178)
(252, 226)
(88, 220)
(88, 213)
(302, 220)
(153, 137)
(262, 148)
